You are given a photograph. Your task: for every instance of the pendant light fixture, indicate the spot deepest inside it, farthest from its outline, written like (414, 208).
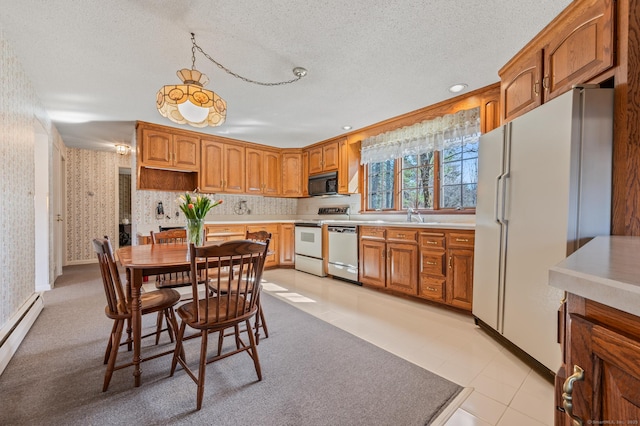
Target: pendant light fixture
(190, 103)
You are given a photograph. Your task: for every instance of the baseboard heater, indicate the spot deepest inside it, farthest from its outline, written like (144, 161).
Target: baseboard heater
(14, 331)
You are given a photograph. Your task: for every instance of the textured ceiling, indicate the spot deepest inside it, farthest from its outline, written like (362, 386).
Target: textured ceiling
(368, 60)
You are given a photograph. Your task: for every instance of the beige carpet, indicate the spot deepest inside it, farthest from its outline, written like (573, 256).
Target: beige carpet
(313, 374)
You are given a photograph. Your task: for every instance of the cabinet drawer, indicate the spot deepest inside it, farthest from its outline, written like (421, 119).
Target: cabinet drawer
(431, 240)
(402, 234)
(459, 239)
(213, 230)
(431, 288)
(432, 263)
(372, 232)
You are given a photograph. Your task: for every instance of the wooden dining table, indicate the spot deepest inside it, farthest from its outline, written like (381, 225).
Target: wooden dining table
(141, 261)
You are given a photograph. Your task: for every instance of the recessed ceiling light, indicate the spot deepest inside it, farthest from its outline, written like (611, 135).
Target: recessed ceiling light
(346, 127)
(456, 88)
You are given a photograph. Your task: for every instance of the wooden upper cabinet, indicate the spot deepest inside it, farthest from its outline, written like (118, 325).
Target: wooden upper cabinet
(581, 49)
(254, 171)
(324, 158)
(521, 85)
(291, 164)
(171, 151)
(574, 48)
(223, 167)
(262, 172)
(212, 172)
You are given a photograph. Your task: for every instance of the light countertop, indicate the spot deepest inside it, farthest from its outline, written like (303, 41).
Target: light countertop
(605, 270)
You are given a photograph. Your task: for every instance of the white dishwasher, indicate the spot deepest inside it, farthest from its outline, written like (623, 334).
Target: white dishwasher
(343, 252)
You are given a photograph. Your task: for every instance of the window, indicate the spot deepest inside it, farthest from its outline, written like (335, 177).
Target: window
(380, 188)
(418, 181)
(430, 166)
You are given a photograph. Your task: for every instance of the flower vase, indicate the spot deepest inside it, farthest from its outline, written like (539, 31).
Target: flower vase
(195, 231)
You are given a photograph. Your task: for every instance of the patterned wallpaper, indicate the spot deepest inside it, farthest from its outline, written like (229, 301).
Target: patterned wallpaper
(92, 200)
(19, 110)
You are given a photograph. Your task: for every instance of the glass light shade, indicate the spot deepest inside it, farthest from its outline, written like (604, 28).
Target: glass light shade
(193, 113)
(190, 103)
(122, 149)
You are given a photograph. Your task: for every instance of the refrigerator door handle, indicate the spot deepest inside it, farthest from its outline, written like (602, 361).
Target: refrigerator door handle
(497, 206)
(503, 219)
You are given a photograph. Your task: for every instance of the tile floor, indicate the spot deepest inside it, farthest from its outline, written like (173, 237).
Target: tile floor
(505, 392)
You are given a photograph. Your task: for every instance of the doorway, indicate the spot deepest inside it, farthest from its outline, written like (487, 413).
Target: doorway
(124, 206)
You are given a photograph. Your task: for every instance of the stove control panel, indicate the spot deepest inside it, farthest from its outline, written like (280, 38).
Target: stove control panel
(334, 210)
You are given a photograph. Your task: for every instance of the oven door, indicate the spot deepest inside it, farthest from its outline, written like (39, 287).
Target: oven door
(309, 241)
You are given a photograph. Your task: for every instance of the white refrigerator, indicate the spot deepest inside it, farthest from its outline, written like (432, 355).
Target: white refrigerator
(544, 189)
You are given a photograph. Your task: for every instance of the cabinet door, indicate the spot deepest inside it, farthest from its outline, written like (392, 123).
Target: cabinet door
(186, 153)
(581, 50)
(255, 170)
(608, 389)
(271, 173)
(372, 262)
(459, 290)
(402, 267)
(343, 169)
(315, 160)
(521, 85)
(212, 170)
(330, 156)
(305, 174)
(156, 149)
(234, 168)
(287, 245)
(291, 174)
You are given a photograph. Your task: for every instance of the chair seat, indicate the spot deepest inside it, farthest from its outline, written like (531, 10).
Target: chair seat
(187, 312)
(158, 300)
(153, 301)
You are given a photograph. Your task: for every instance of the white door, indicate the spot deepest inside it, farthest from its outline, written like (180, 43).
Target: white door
(58, 205)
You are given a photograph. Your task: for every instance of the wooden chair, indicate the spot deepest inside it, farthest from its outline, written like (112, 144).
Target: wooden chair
(233, 301)
(119, 306)
(262, 236)
(174, 279)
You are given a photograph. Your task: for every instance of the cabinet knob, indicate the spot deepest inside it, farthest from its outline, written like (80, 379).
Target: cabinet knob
(450, 262)
(567, 394)
(536, 88)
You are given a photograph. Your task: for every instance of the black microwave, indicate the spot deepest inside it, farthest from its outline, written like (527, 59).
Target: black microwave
(324, 184)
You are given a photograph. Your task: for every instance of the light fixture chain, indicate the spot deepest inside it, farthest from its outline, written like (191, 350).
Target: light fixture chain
(299, 74)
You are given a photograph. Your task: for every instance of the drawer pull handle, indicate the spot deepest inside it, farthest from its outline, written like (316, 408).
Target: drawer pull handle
(431, 288)
(401, 235)
(462, 240)
(432, 242)
(431, 263)
(567, 394)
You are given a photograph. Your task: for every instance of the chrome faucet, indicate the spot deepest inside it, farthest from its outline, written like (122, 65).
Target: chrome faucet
(410, 212)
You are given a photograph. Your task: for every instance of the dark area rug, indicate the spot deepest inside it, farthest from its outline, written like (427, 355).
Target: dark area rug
(313, 374)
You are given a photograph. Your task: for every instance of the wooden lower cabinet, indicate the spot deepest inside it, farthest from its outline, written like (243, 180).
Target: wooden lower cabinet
(389, 258)
(372, 262)
(287, 244)
(459, 278)
(601, 376)
(402, 267)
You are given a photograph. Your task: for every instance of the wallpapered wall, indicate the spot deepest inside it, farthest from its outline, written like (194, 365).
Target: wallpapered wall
(92, 200)
(20, 110)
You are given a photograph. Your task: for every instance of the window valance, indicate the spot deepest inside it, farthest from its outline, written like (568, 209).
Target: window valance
(427, 136)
